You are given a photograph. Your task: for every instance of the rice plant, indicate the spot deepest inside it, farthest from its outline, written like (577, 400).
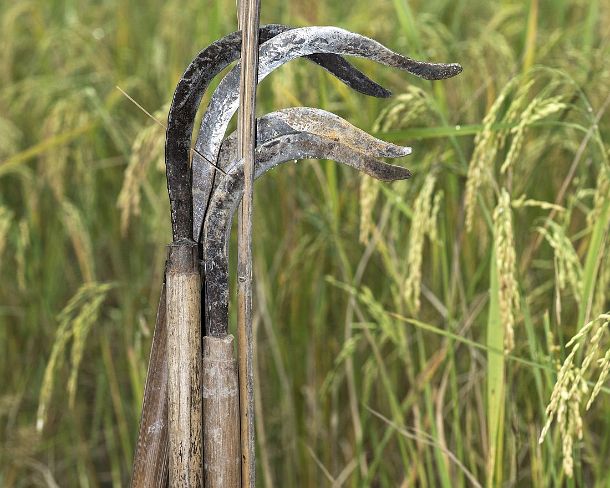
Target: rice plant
(449, 330)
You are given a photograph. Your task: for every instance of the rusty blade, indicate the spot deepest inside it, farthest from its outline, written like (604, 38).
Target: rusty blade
(228, 193)
(187, 96)
(274, 53)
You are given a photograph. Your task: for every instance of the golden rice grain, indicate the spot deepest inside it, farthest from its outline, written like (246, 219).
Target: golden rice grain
(369, 189)
(75, 322)
(81, 240)
(506, 263)
(421, 225)
(572, 386)
(146, 151)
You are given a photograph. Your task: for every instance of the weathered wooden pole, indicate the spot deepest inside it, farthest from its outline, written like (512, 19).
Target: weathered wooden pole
(249, 14)
(183, 288)
(221, 413)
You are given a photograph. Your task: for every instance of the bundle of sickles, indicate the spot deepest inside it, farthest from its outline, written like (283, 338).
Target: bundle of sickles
(190, 426)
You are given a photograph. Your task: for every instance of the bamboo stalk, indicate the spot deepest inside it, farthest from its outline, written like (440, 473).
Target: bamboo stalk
(249, 13)
(183, 284)
(220, 389)
(150, 467)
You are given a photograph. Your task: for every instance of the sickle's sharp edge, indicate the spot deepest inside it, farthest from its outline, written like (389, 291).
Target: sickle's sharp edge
(189, 91)
(227, 195)
(274, 53)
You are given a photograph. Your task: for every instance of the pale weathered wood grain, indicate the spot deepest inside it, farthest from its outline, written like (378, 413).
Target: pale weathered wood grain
(249, 16)
(221, 433)
(183, 285)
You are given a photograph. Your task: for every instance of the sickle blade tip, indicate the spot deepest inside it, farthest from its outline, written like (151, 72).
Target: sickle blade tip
(391, 172)
(443, 71)
(455, 69)
(404, 151)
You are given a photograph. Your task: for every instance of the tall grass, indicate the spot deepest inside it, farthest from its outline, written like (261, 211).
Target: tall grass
(384, 350)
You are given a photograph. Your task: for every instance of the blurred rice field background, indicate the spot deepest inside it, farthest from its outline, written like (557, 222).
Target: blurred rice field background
(409, 334)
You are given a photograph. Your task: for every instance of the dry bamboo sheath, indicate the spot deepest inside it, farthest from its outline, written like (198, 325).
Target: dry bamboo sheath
(150, 462)
(183, 288)
(249, 13)
(220, 413)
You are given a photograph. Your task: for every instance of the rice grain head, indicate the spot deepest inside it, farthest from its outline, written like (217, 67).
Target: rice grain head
(521, 114)
(603, 284)
(516, 108)
(539, 108)
(81, 325)
(66, 115)
(146, 151)
(564, 408)
(369, 190)
(523, 202)
(604, 368)
(81, 240)
(572, 386)
(413, 105)
(423, 223)
(75, 322)
(486, 145)
(567, 264)
(506, 264)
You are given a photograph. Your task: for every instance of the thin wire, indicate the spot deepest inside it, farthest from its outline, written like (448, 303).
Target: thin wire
(193, 150)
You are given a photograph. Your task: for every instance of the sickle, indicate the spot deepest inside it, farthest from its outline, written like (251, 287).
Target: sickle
(187, 96)
(274, 53)
(228, 194)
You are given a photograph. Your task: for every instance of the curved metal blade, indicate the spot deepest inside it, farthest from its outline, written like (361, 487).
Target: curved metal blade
(274, 53)
(187, 96)
(227, 195)
(312, 121)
